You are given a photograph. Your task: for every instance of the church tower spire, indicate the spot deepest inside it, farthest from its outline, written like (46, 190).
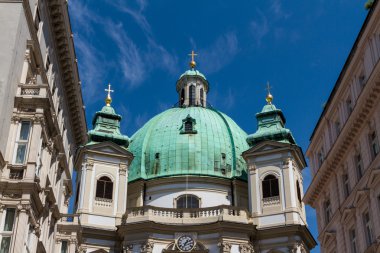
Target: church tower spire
(192, 86)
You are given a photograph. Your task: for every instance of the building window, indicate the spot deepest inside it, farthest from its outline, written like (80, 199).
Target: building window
(374, 144)
(354, 246)
(299, 192)
(270, 187)
(188, 201)
(327, 207)
(202, 97)
(22, 142)
(362, 81)
(368, 228)
(6, 230)
(104, 188)
(191, 95)
(64, 247)
(182, 99)
(346, 184)
(37, 20)
(320, 157)
(359, 165)
(349, 106)
(337, 128)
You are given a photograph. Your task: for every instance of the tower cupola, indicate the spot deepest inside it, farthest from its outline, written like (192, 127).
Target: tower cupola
(192, 86)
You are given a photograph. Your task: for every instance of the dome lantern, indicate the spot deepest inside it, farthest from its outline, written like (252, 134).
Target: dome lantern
(192, 86)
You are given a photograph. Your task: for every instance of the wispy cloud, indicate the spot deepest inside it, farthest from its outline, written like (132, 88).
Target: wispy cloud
(220, 53)
(130, 60)
(259, 28)
(271, 24)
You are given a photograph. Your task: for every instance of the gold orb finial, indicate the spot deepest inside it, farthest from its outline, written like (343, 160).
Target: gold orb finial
(108, 99)
(269, 97)
(192, 62)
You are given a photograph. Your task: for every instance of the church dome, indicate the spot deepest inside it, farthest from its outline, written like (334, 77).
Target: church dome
(188, 141)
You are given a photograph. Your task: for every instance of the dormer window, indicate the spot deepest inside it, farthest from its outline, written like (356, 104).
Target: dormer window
(188, 125)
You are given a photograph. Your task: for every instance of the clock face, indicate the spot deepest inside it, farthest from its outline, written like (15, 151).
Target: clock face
(185, 243)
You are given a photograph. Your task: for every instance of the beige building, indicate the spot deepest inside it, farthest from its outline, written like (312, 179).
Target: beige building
(42, 122)
(344, 151)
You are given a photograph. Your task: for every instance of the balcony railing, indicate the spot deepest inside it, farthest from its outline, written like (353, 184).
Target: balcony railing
(186, 216)
(69, 218)
(271, 201)
(35, 90)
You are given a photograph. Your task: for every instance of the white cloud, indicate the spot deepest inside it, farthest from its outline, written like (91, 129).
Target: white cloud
(220, 53)
(130, 60)
(259, 28)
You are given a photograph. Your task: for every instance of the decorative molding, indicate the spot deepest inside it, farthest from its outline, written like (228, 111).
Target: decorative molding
(225, 247)
(246, 248)
(147, 247)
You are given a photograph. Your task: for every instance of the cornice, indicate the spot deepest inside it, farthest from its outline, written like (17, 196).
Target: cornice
(365, 104)
(65, 52)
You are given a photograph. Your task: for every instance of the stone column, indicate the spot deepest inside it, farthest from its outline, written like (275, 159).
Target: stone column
(86, 184)
(72, 245)
(20, 227)
(122, 197)
(253, 191)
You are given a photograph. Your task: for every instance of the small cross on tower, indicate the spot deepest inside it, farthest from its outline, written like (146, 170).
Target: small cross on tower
(269, 97)
(109, 99)
(192, 62)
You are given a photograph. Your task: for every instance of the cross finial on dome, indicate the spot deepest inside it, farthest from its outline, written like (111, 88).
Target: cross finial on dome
(108, 99)
(269, 97)
(192, 62)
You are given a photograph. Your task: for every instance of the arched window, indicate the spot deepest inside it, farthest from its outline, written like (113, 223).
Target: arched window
(104, 188)
(188, 201)
(270, 187)
(182, 97)
(202, 97)
(191, 95)
(299, 192)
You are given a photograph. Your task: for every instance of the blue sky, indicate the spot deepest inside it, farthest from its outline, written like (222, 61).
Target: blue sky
(141, 47)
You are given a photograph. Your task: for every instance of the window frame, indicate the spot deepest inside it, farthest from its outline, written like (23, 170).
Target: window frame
(104, 195)
(374, 144)
(7, 233)
(359, 166)
(368, 228)
(353, 240)
(186, 195)
(19, 142)
(272, 182)
(328, 210)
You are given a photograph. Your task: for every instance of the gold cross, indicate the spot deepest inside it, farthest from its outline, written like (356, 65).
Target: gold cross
(109, 99)
(269, 97)
(192, 62)
(192, 55)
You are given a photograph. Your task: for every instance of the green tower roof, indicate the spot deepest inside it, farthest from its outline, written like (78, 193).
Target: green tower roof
(271, 126)
(188, 141)
(106, 124)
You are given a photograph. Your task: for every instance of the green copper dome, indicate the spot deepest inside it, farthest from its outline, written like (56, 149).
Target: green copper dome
(188, 141)
(192, 72)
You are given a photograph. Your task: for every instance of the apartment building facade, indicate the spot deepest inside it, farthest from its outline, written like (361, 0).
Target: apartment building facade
(42, 122)
(344, 151)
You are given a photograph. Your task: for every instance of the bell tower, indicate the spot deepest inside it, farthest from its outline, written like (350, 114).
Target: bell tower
(275, 183)
(102, 171)
(192, 86)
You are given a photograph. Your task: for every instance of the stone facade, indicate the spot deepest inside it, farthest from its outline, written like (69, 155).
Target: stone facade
(344, 151)
(42, 123)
